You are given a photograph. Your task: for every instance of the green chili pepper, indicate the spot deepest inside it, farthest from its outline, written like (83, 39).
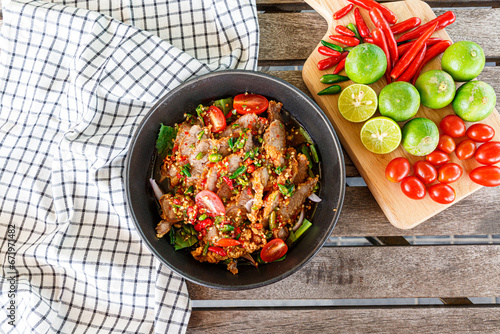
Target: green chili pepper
(215, 157)
(189, 190)
(205, 249)
(202, 217)
(227, 228)
(238, 172)
(286, 190)
(333, 78)
(230, 142)
(185, 170)
(332, 46)
(200, 134)
(352, 27)
(335, 89)
(279, 169)
(200, 156)
(272, 221)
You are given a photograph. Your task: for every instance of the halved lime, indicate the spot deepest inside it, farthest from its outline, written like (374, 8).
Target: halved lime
(357, 103)
(381, 135)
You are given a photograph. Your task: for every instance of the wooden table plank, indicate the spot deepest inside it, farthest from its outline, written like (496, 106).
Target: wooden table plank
(289, 38)
(382, 272)
(295, 5)
(405, 319)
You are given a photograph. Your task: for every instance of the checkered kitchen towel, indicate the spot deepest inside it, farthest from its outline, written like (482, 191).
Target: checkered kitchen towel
(76, 78)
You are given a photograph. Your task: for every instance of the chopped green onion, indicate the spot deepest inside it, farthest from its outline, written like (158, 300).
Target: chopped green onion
(279, 169)
(200, 134)
(189, 190)
(227, 228)
(310, 173)
(238, 172)
(205, 249)
(199, 111)
(286, 190)
(185, 170)
(202, 217)
(200, 155)
(215, 157)
(230, 142)
(314, 153)
(304, 227)
(306, 153)
(306, 136)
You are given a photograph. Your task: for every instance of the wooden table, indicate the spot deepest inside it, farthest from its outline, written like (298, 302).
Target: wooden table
(391, 268)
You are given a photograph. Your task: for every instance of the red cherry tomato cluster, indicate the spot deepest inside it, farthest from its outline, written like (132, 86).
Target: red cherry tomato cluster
(437, 165)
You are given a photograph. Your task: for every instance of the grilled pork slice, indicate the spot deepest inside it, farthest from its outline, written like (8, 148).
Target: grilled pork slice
(274, 143)
(289, 208)
(271, 202)
(301, 174)
(248, 121)
(173, 209)
(274, 111)
(189, 140)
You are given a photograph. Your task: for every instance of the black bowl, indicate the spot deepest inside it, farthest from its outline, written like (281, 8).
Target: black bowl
(169, 110)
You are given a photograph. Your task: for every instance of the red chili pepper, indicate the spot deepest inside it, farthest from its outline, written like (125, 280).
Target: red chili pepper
(203, 224)
(217, 250)
(251, 168)
(412, 69)
(405, 47)
(342, 12)
(379, 21)
(360, 23)
(327, 51)
(370, 4)
(326, 63)
(226, 242)
(258, 226)
(347, 40)
(369, 40)
(443, 20)
(344, 31)
(404, 62)
(432, 52)
(340, 66)
(229, 182)
(380, 41)
(406, 25)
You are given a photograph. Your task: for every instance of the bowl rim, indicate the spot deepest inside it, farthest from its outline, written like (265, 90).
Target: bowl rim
(318, 245)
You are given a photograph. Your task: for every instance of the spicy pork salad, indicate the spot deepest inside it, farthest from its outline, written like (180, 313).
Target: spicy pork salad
(240, 177)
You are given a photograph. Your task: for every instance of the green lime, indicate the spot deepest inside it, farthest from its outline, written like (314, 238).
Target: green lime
(463, 60)
(357, 103)
(365, 64)
(420, 136)
(436, 88)
(475, 101)
(399, 101)
(381, 135)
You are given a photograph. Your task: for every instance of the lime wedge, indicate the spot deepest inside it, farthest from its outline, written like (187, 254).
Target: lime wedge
(381, 135)
(357, 103)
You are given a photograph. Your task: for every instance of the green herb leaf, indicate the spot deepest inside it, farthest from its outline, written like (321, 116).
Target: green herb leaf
(185, 241)
(165, 140)
(225, 105)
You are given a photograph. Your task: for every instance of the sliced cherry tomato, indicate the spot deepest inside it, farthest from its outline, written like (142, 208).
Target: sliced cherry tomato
(397, 169)
(273, 250)
(446, 144)
(465, 149)
(488, 176)
(437, 158)
(488, 153)
(413, 187)
(250, 103)
(216, 118)
(449, 173)
(442, 193)
(226, 242)
(480, 133)
(453, 126)
(211, 202)
(425, 171)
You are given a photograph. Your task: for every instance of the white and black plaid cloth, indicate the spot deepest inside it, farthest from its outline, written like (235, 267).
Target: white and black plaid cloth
(76, 78)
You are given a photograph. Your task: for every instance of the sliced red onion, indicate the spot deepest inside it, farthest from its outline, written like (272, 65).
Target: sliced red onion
(156, 189)
(301, 219)
(315, 198)
(249, 258)
(249, 205)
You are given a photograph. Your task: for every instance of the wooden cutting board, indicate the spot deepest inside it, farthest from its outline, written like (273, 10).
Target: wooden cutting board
(401, 211)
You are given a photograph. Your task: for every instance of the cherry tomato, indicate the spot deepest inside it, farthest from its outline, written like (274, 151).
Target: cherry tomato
(449, 173)
(442, 193)
(446, 144)
(465, 149)
(273, 250)
(437, 158)
(488, 153)
(488, 176)
(397, 169)
(211, 202)
(216, 117)
(425, 171)
(453, 126)
(413, 187)
(480, 133)
(250, 103)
